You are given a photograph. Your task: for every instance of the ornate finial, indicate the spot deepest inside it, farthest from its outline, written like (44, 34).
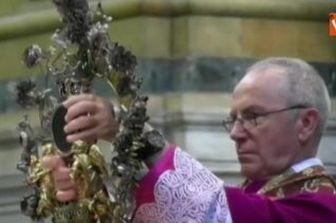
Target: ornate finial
(82, 51)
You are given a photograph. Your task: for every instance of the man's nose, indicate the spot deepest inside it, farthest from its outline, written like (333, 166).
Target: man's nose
(237, 132)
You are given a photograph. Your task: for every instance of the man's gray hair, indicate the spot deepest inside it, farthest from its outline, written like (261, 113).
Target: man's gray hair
(304, 85)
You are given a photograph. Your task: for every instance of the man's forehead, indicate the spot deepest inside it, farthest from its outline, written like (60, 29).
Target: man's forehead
(248, 106)
(259, 88)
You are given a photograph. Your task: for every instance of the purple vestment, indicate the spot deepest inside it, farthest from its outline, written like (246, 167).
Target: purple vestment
(178, 189)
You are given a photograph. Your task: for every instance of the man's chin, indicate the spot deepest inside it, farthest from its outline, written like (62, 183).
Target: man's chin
(251, 172)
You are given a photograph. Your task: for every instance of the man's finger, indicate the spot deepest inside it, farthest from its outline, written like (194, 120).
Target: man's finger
(61, 173)
(85, 135)
(80, 124)
(81, 108)
(67, 195)
(52, 162)
(65, 185)
(76, 98)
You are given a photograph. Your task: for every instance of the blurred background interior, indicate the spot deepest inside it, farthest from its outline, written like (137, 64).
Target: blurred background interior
(190, 54)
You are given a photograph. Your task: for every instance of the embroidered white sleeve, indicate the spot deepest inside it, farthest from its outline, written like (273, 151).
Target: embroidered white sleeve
(188, 194)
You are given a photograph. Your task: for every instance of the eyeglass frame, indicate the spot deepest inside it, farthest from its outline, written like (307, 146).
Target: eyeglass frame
(229, 124)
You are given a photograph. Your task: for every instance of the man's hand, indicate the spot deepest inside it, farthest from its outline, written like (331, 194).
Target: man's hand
(89, 118)
(65, 187)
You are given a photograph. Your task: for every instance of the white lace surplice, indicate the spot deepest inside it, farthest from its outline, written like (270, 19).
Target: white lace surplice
(188, 194)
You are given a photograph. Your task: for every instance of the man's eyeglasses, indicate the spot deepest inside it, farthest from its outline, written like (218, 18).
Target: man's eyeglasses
(250, 120)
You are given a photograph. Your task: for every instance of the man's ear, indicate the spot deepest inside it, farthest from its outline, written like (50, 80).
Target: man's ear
(309, 120)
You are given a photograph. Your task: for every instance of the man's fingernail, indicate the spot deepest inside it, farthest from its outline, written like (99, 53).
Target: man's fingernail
(69, 138)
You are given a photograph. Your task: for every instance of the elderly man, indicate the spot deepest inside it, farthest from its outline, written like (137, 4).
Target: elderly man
(280, 109)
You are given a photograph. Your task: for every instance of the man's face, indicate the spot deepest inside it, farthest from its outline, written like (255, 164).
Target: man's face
(270, 146)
